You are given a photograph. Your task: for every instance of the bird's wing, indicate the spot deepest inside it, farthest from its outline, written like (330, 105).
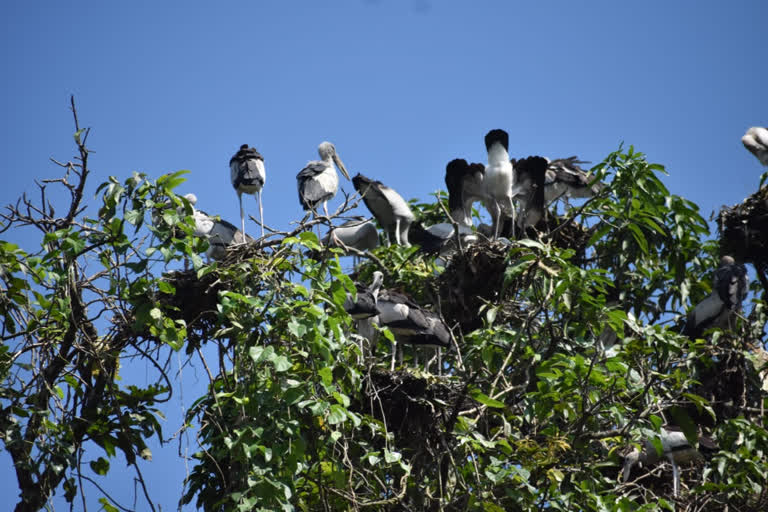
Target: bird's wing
(731, 284)
(311, 170)
(248, 172)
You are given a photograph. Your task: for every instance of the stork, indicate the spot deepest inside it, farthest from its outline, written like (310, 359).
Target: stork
(729, 288)
(756, 142)
(219, 233)
(675, 448)
(499, 178)
(364, 309)
(246, 170)
(389, 208)
(465, 186)
(358, 233)
(440, 238)
(531, 174)
(318, 181)
(566, 178)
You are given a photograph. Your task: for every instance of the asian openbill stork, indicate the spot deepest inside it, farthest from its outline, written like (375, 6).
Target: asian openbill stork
(729, 288)
(219, 233)
(499, 178)
(756, 142)
(675, 447)
(318, 181)
(389, 208)
(531, 175)
(364, 309)
(246, 170)
(465, 186)
(440, 239)
(566, 178)
(358, 233)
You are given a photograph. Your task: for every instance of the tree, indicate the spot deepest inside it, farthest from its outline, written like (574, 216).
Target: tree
(566, 350)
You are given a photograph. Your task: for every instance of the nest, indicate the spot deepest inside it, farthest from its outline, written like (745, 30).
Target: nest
(565, 233)
(744, 229)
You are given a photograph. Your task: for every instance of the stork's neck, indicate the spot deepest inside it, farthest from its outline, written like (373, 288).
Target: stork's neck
(497, 154)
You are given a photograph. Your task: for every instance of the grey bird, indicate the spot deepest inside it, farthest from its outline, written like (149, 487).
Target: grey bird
(246, 170)
(756, 142)
(318, 181)
(358, 233)
(390, 209)
(729, 289)
(364, 309)
(565, 178)
(219, 233)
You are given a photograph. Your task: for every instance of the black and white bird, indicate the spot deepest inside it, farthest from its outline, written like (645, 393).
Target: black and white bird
(246, 170)
(566, 178)
(756, 142)
(675, 448)
(358, 233)
(729, 288)
(390, 209)
(465, 187)
(219, 233)
(531, 175)
(364, 310)
(318, 181)
(499, 179)
(440, 239)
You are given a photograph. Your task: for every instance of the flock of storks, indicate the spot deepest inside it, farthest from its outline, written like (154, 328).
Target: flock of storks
(515, 193)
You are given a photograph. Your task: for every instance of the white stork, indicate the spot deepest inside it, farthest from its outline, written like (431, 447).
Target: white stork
(499, 178)
(465, 186)
(756, 142)
(318, 181)
(675, 448)
(246, 170)
(219, 233)
(358, 233)
(389, 208)
(729, 288)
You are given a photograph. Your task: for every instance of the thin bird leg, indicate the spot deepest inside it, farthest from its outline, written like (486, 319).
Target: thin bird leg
(440, 361)
(242, 214)
(675, 477)
(392, 361)
(261, 217)
(397, 231)
(514, 225)
(325, 209)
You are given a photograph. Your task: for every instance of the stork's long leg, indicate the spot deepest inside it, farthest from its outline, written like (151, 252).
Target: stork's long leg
(394, 352)
(242, 214)
(325, 209)
(261, 217)
(397, 231)
(675, 477)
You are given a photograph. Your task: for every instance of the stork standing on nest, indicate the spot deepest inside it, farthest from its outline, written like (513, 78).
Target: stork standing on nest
(465, 186)
(389, 208)
(219, 233)
(729, 288)
(675, 448)
(318, 181)
(499, 178)
(246, 170)
(756, 142)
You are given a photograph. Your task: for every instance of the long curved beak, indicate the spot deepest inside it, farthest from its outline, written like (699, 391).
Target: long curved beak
(341, 167)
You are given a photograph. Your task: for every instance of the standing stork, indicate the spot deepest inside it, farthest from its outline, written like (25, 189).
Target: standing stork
(531, 174)
(675, 448)
(729, 288)
(499, 178)
(219, 233)
(465, 186)
(246, 170)
(389, 208)
(756, 142)
(318, 181)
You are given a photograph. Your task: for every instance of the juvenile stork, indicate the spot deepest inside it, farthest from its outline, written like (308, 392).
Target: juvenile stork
(499, 178)
(219, 233)
(465, 186)
(318, 181)
(675, 448)
(389, 208)
(358, 233)
(566, 178)
(756, 142)
(440, 239)
(246, 170)
(364, 309)
(531, 175)
(729, 288)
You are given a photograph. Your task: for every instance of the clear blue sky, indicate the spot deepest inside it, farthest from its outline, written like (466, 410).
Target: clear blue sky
(399, 86)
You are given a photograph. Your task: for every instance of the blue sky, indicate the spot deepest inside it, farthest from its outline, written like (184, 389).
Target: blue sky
(399, 86)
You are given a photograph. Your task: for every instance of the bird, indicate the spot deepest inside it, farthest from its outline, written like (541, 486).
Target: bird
(219, 233)
(464, 182)
(358, 233)
(246, 170)
(729, 288)
(756, 142)
(318, 181)
(364, 309)
(675, 447)
(531, 174)
(566, 178)
(389, 208)
(499, 178)
(440, 238)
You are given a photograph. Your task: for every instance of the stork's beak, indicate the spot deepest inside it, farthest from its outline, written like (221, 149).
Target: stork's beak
(341, 167)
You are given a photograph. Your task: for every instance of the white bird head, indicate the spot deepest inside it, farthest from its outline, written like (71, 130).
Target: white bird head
(327, 150)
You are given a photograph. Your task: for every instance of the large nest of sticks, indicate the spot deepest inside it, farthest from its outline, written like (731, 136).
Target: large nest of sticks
(744, 229)
(565, 233)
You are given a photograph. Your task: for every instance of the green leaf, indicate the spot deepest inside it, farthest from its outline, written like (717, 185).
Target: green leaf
(100, 466)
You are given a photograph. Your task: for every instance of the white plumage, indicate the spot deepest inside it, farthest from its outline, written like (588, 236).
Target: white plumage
(756, 142)
(359, 233)
(499, 178)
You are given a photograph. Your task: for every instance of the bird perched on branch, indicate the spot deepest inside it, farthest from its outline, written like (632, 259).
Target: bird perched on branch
(531, 175)
(364, 309)
(440, 238)
(318, 181)
(756, 142)
(674, 447)
(566, 178)
(246, 170)
(465, 186)
(358, 233)
(219, 233)
(729, 288)
(390, 209)
(499, 179)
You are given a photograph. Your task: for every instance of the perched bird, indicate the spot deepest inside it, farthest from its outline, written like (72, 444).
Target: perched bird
(756, 142)
(219, 233)
(358, 233)
(729, 288)
(246, 170)
(675, 448)
(318, 181)
(566, 178)
(465, 186)
(440, 238)
(499, 178)
(531, 174)
(364, 309)
(389, 208)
